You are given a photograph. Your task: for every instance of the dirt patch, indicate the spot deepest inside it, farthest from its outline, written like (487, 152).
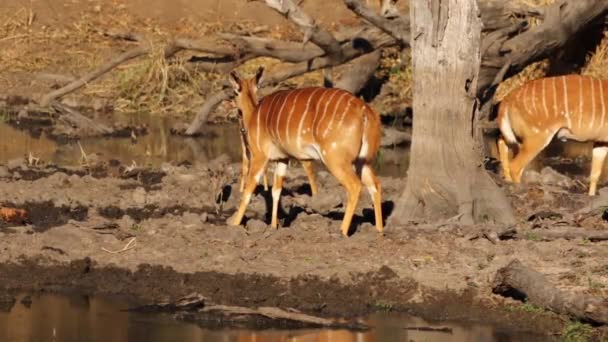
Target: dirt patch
(178, 244)
(322, 297)
(45, 215)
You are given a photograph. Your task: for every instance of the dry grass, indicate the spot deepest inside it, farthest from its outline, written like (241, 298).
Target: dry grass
(597, 62)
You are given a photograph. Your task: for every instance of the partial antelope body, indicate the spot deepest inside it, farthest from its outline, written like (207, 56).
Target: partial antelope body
(307, 164)
(572, 107)
(307, 124)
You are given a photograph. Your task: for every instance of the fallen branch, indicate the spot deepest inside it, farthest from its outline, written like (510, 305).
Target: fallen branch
(81, 82)
(206, 109)
(75, 118)
(277, 313)
(567, 233)
(359, 72)
(517, 280)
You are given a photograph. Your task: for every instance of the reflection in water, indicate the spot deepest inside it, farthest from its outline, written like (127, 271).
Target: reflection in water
(82, 318)
(160, 146)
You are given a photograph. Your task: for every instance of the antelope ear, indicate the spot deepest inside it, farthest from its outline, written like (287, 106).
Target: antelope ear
(235, 81)
(258, 75)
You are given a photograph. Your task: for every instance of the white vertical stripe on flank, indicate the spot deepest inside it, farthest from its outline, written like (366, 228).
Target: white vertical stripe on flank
(565, 95)
(303, 117)
(534, 108)
(267, 113)
(344, 112)
(331, 119)
(270, 111)
(319, 102)
(325, 109)
(581, 100)
(291, 112)
(276, 130)
(544, 96)
(603, 104)
(592, 103)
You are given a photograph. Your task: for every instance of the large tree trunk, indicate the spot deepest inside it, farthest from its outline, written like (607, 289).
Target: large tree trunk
(446, 177)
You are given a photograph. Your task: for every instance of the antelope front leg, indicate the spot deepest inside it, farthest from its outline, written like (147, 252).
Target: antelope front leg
(310, 173)
(256, 167)
(597, 162)
(277, 186)
(503, 155)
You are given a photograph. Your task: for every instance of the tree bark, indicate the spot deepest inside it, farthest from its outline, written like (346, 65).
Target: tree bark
(446, 177)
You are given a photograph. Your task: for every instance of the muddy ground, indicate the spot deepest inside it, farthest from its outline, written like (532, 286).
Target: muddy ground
(79, 217)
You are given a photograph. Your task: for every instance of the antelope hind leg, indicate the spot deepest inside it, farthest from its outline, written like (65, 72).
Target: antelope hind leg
(597, 162)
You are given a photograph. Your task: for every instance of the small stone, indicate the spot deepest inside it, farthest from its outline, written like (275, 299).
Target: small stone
(255, 225)
(204, 217)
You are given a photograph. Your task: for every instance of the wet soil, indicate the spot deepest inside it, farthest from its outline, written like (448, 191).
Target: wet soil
(79, 225)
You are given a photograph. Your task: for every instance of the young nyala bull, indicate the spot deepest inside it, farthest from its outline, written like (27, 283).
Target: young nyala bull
(306, 124)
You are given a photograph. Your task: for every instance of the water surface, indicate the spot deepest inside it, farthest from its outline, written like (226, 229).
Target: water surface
(52, 317)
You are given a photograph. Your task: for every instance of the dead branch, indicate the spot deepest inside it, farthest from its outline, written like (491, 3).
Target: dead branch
(359, 72)
(206, 109)
(562, 20)
(76, 119)
(286, 51)
(81, 82)
(312, 31)
(567, 233)
(517, 280)
(366, 40)
(399, 28)
(276, 313)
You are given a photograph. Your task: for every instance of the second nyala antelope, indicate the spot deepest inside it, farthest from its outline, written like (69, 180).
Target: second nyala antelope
(570, 107)
(307, 124)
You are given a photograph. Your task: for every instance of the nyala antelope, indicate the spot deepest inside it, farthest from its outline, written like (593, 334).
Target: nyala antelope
(308, 124)
(571, 107)
(306, 164)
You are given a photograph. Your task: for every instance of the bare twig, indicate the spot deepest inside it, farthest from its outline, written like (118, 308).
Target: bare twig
(81, 82)
(127, 247)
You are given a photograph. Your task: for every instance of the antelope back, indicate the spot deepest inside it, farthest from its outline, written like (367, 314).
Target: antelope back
(573, 105)
(319, 118)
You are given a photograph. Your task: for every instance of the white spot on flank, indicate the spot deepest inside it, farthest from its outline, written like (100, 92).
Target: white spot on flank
(333, 145)
(535, 129)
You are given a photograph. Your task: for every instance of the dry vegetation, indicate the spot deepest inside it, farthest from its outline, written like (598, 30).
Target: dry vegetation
(29, 47)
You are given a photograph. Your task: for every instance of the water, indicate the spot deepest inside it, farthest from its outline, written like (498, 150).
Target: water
(52, 317)
(154, 148)
(160, 146)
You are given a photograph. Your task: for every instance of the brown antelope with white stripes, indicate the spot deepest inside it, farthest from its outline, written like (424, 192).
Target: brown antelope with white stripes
(307, 124)
(306, 164)
(570, 107)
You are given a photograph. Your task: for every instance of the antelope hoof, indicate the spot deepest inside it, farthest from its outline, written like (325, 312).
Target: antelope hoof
(231, 221)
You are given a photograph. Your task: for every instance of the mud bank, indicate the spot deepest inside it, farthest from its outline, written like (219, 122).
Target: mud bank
(166, 238)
